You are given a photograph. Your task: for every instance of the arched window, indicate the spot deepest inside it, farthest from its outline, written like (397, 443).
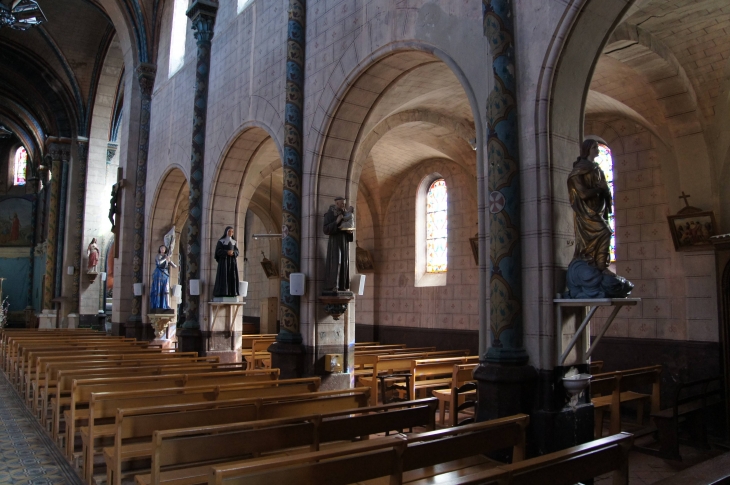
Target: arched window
(242, 4)
(605, 161)
(177, 36)
(20, 165)
(436, 227)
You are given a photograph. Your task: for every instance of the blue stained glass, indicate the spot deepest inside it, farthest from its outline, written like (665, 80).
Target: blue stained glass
(605, 161)
(436, 227)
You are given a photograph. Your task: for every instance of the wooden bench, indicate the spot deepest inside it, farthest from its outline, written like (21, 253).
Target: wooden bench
(182, 451)
(610, 390)
(60, 397)
(258, 354)
(388, 364)
(691, 402)
(103, 405)
(398, 459)
(137, 425)
(578, 464)
(461, 374)
(430, 374)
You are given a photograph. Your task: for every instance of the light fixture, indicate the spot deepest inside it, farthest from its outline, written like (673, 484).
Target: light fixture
(23, 15)
(4, 131)
(267, 236)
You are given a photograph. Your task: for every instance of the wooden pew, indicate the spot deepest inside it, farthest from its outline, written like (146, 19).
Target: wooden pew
(60, 398)
(387, 364)
(623, 385)
(247, 340)
(137, 426)
(430, 374)
(460, 374)
(397, 459)
(9, 340)
(566, 467)
(103, 405)
(258, 353)
(181, 451)
(366, 344)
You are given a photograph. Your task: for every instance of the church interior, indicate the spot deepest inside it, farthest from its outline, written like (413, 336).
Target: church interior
(494, 235)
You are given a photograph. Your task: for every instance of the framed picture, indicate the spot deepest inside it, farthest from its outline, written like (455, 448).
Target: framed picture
(474, 242)
(692, 231)
(269, 268)
(363, 260)
(15, 222)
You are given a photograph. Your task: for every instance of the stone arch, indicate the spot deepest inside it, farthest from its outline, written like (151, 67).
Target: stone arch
(170, 207)
(249, 158)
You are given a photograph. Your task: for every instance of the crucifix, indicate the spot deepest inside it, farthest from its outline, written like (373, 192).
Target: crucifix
(115, 209)
(685, 197)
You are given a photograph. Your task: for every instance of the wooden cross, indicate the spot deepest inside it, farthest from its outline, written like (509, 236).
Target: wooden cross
(117, 209)
(685, 197)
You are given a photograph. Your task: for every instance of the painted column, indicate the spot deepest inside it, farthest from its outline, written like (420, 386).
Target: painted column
(81, 154)
(202, 14)
(61, 240)
(504, 190)
(52, 234)
(146, 78)
(292, 197)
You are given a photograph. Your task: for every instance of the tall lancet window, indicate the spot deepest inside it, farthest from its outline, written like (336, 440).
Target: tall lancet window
(605, 161)
(19, 166)
(436, 227)
(177, 36)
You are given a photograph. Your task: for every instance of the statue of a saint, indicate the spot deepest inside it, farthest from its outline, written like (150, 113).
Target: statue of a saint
(226, 278)
(92, 251)
(113, 205)
(339, 224)
(160, 290)
(590, 197)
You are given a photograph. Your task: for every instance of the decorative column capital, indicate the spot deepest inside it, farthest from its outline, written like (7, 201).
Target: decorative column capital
(146, 77)
(202, 13)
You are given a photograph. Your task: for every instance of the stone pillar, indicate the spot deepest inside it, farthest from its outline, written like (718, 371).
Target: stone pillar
(505, 382)
(202, 14)
(78, 230)
(287, 352)
(61, 240)
(55, 150)
(146, 79)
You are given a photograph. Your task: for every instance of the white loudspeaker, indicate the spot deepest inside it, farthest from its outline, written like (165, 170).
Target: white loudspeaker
(177, 291)
(137, 288)
(195, 287)
(297, 284)
(357, 284)
(243, 288)
(103, 276)
(70, 270)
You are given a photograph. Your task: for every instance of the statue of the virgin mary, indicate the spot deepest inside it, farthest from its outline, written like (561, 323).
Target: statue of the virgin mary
(226, 278)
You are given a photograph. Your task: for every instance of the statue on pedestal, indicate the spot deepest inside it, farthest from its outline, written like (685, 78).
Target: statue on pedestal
(160, 289)
(339, 225)
(590, 198)
(226, 277)
(92, 251)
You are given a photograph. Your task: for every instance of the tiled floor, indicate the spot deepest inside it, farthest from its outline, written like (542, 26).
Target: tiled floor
(27, 454)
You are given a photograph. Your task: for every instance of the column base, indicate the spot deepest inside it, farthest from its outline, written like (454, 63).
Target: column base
(47, 319)
(551, 431)
(288, 358)
(190, 340)
(504, 390)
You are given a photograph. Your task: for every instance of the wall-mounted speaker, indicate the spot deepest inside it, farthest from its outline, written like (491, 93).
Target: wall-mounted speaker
(297, 284)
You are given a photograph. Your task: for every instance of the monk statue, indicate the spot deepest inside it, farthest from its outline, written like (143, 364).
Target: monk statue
(339, 225)
(590, 198)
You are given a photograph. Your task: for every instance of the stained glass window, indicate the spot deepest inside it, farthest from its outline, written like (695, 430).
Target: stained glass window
(605, 161)
(436, 227)
(21, 162)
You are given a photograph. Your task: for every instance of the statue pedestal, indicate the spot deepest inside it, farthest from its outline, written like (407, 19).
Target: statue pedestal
(335, 302)
(72, 319)
(160, 322)
(47, 319)
(223, 333)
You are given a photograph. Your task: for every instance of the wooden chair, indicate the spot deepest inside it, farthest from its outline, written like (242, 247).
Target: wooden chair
(462, 375)
(258, 355)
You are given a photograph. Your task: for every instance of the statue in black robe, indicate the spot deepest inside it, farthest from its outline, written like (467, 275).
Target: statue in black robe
(339, 226)
(226, 278)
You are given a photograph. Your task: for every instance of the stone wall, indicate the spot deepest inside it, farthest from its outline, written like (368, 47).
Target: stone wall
(259, 285)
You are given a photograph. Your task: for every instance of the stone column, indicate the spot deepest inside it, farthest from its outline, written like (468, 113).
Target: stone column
(61, 239)
(287, 352)
(146, 78)
(505, 382)
(78, 230)
(54, 151)
(202, 14)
